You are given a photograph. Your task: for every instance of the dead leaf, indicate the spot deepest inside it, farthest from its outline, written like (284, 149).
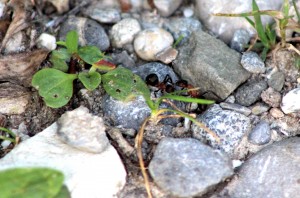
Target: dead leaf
(19, 68)
(21, 19)
(61, 5)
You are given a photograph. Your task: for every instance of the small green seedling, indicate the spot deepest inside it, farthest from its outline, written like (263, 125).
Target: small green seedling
(55, 85)
(12, 137)
(32, 182)
(267, 35)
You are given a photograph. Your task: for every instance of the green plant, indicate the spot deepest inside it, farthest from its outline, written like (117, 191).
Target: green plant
(13, 138)
(55, 85)
(32, 182)
(267, 35)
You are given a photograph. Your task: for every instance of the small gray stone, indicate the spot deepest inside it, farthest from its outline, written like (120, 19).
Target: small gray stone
(241, 38)
(260, 134)
(271, 173)
(82, 130)
(129, 114)
(271, 97)
(253, 63)
(150, 42)
(276, 80)
(290, 102)
(123, 58)
(250, 92)
(259, 108)
(180, 26)
(186, 167)
(236, 107)
(167, 55)
(124, 32)
(89, 31)
(276, 113)
(108, 15)
(209, 64)
(166, 7)
(230, 126)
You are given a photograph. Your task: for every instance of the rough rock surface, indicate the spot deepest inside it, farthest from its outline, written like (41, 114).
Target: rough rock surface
(209, 64)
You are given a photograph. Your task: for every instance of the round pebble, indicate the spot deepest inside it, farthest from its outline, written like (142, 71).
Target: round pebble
(290, 102)
(166, 7)
(124, 32)
(276, 113)
(260, 134)
(150, 42)
(47, 41)
(241, 38)
(271, 97)
(253, 63)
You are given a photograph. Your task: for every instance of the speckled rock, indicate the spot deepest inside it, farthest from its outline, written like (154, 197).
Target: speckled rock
(149, 42)
(260, 134)
(271, 173)
(186, 167)
(271, 97)
(236, 107)
(253, 63)
(259, 108)
(209, 64)
(126, 114)
(82, 130)
(250, 92)
(89, 31)
(124, 32)
(240, 39)
(166, 7)
(276, 80)
(224, 27)
(290, 102)
(108, 15)
(230, 126)
(182, 27)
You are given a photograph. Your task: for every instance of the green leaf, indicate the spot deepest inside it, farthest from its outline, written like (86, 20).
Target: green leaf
(90, 54)
(59, 64)
(124, 85)
(63, 193)
(59, 58)
(30, 182)
(104, 65)
(90, 80)
(187, 99)
(61, 43)
(56, 87)
(72, 42)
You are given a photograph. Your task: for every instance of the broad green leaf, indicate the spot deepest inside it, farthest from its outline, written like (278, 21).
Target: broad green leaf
(59, 58)
(63, 193)
(90, 80)
(124, 85)
(72, 42)
(61, 53)
(56, 87)
(90, 54)
(59, 64)
(30, 183)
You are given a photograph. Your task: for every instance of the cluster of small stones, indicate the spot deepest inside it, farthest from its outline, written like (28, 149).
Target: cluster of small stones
(257, 101)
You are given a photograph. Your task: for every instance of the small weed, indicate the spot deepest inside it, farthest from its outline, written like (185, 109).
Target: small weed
(12, 137)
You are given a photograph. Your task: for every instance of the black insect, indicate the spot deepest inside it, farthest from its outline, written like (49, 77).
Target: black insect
(166, 86)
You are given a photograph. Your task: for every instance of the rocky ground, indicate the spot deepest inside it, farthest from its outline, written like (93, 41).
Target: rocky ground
(91, 139)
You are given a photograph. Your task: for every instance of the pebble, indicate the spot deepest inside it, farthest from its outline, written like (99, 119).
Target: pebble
(229, 125)
(150, 42)
(124, 32)
(167, 55)
(260, 134)
(236, 107)
(290, 102)
(197, 167)
(253, 63)
(259, 108)
(47, 41)
(276, 80)
(85, 173)
(225, 27)
(16, 44)
(179, 26)
(240, 39)
(209, 64)
(272, 172)
(250, 92)
(188, 12)
(276, 113)
(271, 97)
(166, 7)
(122, 114)
(108, 15)
(82, 130)
(89, 31)
(123, 58)
(2, 7)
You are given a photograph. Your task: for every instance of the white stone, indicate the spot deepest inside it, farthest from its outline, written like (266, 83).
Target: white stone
(150, 42)
(47, 41)
(290, 102)
(2, 6)
(124, 32)
(86, 174)
(166, 7)
(225, 27)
